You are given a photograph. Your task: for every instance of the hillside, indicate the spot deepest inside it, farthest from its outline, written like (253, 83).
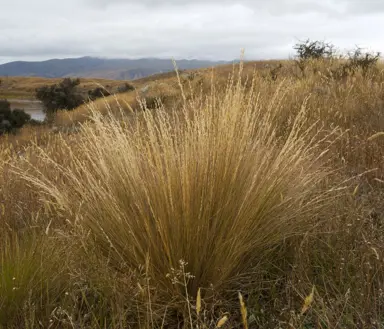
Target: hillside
(24, 87)
(20, 91)
(90, 67)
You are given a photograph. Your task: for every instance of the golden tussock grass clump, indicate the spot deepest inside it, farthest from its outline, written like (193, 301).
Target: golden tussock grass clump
(212, 183)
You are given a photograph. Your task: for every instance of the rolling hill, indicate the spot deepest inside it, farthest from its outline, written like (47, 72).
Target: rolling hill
(91, 67)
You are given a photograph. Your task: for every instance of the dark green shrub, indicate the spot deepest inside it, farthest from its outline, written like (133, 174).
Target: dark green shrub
(312, 50)
(360, 60)
(60, 96)
(309, 49)
(19, 118)
(125, 88)
(5, 109)
(98, 92)
(11, 120)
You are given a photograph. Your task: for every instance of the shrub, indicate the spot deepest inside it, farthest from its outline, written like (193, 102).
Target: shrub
(5, 109)
(98, 92)
(125, 88)
(309, 49)
(11, 119)
(19, 118)
(359, 60)
(60, 96)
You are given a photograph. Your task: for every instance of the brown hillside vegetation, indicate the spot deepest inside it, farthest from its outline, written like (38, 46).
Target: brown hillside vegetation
(164, 87)
(245, 196)
(24, 87)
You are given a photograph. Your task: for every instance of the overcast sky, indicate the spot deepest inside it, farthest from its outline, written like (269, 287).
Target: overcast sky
(203, 29)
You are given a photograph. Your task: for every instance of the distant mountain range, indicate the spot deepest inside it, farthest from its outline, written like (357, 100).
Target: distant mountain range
(91, 67)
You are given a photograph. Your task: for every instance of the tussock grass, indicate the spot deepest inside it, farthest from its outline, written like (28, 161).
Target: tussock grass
(211, 184)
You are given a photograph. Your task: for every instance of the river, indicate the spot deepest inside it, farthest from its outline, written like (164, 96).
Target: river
(31, 106)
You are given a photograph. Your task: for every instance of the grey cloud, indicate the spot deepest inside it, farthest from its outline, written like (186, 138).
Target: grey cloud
(278, 7)
(211, 29)
(367, 6)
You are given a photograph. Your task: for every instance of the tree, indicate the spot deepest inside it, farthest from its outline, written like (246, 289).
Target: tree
(60, 96)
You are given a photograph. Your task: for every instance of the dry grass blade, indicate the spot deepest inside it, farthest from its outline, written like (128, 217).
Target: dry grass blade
(355, 190)
(308, 301)
(198, 302)
(243, 310)
(222, 321)
(377, 135)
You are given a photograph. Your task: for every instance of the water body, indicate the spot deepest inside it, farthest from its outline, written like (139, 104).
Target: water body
(31, 106)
